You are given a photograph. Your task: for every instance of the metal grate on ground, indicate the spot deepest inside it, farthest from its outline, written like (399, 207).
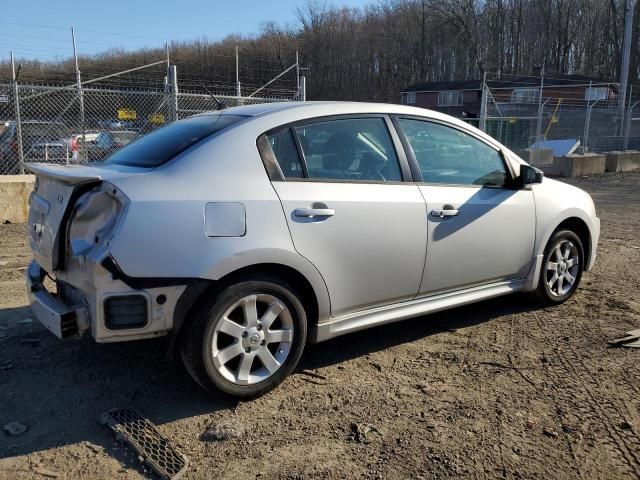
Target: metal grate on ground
(143, 436)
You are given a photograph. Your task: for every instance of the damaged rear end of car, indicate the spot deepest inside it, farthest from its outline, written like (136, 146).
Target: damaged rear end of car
(76, 215)
(73, 214)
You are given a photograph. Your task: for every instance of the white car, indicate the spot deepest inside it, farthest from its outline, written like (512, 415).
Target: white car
(245, 233)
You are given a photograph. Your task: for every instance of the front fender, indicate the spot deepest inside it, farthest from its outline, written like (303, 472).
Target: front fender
(557, 202)
(592, 223)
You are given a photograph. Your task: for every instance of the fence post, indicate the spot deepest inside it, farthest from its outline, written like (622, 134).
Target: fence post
(238, 91)
(585, 134)
(172, 92)
(587, 122)
(80, 94)
(540, 108)
(16, 100)
(483, 104)
(297, 75)
(303, 88)
(627, 121)
(627, 127)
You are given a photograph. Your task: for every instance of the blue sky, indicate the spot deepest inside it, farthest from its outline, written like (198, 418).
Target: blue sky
(41, 29)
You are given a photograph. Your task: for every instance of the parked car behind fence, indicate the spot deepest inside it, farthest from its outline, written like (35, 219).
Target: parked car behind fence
(108, 142)
(42, 141)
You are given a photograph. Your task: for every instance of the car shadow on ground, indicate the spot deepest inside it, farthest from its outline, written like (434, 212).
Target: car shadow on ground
(58, 389)
(365, 342)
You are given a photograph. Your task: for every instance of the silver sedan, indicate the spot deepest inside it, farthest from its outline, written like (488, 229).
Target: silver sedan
(246, 233)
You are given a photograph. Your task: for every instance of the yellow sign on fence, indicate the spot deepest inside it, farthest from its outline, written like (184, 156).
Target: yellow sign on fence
(156, 118)
(127, 114)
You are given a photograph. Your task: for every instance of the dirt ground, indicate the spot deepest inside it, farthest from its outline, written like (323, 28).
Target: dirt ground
(500, 389)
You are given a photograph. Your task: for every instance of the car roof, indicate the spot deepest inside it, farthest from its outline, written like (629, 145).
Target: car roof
(319, 109)
(311, 107)
(281, 112)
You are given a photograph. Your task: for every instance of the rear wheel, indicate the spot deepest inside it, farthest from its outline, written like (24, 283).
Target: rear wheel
(247, 339)
(562, 267)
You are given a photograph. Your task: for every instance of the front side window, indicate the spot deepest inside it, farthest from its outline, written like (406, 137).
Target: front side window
(449, 156)
(355, 149)
(160, 146)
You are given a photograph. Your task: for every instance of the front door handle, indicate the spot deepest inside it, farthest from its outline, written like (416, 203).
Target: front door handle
(450, 212)
(314, 212)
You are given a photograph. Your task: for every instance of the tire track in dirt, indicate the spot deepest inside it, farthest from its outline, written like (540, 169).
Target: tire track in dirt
(521, 330)
(575, 385)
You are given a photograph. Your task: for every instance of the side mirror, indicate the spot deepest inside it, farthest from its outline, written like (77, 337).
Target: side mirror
(530, 175)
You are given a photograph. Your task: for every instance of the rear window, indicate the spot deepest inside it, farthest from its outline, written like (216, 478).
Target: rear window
(160, 146)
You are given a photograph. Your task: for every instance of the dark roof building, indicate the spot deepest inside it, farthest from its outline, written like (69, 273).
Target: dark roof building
(463, 98)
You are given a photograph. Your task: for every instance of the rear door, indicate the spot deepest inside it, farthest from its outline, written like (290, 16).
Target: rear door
(349, 209)
(480, 229)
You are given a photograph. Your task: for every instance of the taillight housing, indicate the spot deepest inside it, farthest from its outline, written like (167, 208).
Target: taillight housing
(95, 218)
(14, 145)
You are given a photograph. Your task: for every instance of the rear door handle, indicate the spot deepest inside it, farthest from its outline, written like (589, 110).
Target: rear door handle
(314, 212)
(445, 213)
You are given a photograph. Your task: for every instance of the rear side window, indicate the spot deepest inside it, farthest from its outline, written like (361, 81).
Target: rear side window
(355, 149)
(286, 153)
(160, 146)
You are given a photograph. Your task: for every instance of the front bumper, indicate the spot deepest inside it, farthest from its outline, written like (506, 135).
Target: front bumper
(59, 318)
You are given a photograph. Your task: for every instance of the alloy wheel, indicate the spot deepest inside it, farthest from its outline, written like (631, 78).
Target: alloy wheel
(252, 339)
(562, 268)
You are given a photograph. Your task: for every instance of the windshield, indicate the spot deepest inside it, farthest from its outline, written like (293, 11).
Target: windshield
(162, 145)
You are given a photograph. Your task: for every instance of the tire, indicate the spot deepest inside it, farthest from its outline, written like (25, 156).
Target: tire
(246, 339)
(554, 286)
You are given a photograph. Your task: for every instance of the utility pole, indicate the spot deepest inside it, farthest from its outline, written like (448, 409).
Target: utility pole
(626, 54)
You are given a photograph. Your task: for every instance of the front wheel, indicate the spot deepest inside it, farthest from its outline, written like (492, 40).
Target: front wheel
(562, 267)
(247, 339)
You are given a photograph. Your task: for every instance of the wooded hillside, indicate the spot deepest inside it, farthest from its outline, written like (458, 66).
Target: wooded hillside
(373, 52)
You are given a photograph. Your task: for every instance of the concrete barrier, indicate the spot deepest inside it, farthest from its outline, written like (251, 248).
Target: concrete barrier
(575, 165)
(538, 157)
(622, 161)
(14, 197)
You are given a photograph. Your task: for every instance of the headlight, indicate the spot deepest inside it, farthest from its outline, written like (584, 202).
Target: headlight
(94, 219)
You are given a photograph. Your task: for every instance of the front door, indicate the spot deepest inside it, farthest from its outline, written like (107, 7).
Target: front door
(349, 211)
(480, 230)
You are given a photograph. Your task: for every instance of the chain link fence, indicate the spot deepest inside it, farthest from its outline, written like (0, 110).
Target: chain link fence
(527, 113)
(71, 125)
